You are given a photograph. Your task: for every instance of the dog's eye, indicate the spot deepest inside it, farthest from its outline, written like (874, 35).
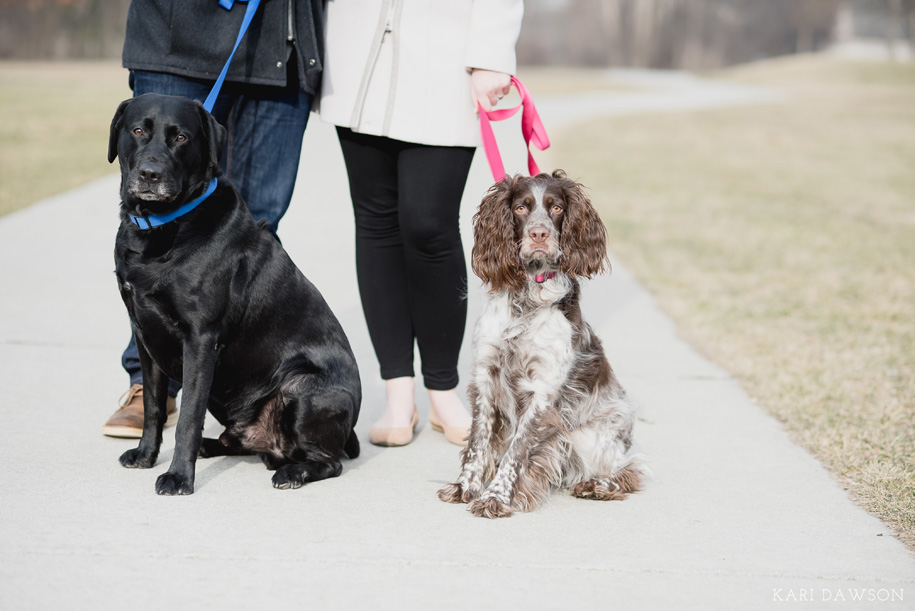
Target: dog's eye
(181, 138)
(556, 208)
(520, 209)
(138, 131)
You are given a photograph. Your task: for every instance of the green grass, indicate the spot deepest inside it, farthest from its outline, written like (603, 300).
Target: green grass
(54, 120)
(781, 238)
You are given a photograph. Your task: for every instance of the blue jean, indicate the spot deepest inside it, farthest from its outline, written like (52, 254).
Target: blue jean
(265, 127)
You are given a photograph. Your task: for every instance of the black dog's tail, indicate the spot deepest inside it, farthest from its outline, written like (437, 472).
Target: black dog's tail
(351, 447)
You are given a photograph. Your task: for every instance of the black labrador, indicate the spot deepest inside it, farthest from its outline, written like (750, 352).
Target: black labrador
(217, 304)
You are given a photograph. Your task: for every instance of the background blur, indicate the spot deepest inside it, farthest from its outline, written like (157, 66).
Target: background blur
(690, 34)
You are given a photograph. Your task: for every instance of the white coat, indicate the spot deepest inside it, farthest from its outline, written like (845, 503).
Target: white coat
(401, 68)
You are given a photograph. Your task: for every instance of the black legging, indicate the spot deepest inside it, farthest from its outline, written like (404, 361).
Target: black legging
(409, 257)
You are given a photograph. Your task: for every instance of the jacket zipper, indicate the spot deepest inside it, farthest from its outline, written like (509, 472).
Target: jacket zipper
(290, 34)
(381, 32)
(389, 21)
(393, 21)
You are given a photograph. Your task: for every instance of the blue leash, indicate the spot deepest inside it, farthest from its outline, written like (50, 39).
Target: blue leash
(249, 15)
(155, 220)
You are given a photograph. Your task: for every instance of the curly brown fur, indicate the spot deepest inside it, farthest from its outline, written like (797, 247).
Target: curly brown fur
(583, 240)
(498, 231)
(494, 257)
(614, 488)
(491, 508)
(548, 411)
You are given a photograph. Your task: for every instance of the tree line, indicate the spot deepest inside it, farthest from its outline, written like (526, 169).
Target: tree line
(698, 34)
(690, 34)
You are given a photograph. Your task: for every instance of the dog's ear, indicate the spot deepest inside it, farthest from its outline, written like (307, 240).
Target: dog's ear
(583, 239)
(495, 256)
(215, 135)
(115, 132)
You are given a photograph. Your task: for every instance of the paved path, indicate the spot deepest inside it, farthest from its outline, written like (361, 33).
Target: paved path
(736, 517)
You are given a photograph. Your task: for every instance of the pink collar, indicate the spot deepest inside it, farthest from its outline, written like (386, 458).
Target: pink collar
(541, 278)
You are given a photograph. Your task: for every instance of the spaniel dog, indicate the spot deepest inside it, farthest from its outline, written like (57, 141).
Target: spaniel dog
(548, 412)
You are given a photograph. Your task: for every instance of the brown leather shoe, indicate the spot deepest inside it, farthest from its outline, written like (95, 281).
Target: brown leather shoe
(128, 420)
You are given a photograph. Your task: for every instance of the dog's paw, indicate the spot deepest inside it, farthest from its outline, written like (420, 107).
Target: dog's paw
(490, 507)
(290, 476)
(210, 448)
(457, 493)
(599, 490)
(452, 493)
(135, 459)
(172, 484)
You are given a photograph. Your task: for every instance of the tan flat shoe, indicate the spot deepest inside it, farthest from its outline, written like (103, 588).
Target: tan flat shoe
(455, 434)
(395, 435)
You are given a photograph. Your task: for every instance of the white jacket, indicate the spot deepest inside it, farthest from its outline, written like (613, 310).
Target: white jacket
(401, 68)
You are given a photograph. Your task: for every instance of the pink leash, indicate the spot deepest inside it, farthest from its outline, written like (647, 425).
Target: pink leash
(531, 128)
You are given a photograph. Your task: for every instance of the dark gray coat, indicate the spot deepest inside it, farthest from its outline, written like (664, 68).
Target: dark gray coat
(194, 38)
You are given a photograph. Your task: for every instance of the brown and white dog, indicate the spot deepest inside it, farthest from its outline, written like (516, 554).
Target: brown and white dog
(548, 411)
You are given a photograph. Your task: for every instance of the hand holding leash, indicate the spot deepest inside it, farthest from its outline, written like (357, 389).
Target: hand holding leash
(488, 87)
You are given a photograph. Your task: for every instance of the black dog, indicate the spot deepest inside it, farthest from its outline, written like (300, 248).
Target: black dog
(217, 304)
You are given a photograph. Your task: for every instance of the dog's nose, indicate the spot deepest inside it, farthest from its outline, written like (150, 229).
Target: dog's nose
(150, 171)
(539, 234)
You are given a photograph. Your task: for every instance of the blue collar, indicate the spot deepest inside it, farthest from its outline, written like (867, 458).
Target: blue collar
(154, 220)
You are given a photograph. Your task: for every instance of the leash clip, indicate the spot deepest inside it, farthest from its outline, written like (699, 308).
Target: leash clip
(137, 219)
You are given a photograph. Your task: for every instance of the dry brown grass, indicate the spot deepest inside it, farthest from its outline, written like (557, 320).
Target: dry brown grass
(567, 80)
(54, 120)
(781, 238)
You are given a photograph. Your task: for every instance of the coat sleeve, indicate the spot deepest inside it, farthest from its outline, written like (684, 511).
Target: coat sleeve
(494, 29)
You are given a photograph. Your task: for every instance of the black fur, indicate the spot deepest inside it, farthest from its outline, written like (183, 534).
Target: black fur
(216, 303)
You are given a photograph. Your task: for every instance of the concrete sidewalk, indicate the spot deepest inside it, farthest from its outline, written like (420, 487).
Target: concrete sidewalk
(736, 517)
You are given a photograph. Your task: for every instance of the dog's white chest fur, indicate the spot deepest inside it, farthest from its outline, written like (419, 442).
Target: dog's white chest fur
(530, 347)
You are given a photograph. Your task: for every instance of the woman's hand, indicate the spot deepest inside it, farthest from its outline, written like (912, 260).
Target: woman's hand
(488, 87)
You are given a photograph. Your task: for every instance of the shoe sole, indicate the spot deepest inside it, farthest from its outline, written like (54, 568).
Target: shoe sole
(397, 436)
(454, 438)
(131, 432)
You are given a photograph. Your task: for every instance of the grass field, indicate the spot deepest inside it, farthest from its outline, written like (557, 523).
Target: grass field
(781, 238)
(54, 120)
